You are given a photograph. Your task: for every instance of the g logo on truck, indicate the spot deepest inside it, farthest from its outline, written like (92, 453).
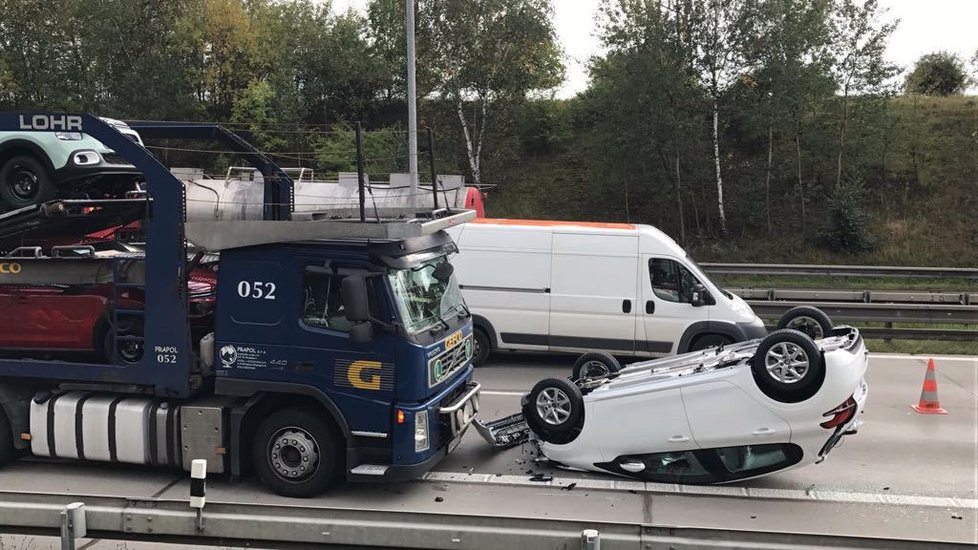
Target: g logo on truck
(364, 375)
(9, 268)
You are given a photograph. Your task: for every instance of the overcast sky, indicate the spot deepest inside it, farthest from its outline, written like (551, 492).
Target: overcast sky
(926, 26)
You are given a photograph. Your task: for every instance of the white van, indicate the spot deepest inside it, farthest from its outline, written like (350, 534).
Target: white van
(579, 286)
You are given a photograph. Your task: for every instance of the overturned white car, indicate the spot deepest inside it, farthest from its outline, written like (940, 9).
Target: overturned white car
(719, 415)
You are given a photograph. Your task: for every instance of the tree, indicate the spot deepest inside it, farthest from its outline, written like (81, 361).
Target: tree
(859, 38)
(720, 31)
(939, 73)
(482, 54)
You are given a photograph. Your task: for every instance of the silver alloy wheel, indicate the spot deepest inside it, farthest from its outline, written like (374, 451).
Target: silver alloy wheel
(595, 369)
(293, 455)
(786, 362)
(807, 325)
(553, 406)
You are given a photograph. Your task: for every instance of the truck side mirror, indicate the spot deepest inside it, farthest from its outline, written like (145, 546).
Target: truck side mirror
(443, 272)
(356, 306)
(700, 296)
(361, 333)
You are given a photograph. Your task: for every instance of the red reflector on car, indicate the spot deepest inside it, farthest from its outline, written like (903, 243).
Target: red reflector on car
(841, 414)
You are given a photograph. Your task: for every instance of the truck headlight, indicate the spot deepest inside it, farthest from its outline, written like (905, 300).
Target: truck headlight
(68, 136)
(421, 431)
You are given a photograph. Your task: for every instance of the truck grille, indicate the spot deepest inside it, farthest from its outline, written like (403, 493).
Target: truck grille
(451, 361)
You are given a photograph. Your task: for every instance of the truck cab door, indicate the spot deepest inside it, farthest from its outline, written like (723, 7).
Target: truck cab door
(359, 378)
(666, 309)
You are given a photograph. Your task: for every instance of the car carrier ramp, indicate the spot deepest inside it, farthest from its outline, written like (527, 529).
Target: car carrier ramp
(214, 236)
(75, 217)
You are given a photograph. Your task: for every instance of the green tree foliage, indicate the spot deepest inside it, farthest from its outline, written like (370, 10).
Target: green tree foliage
(939, 73)
(848, 230)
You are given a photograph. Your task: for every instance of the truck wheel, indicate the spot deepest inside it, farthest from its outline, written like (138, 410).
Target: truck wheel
(482, 344)
(7, 450)
(810, 320)
(708, 341)
(788, 366)
(24, 182)
(595, 364)
(554, 410)
(296, 453)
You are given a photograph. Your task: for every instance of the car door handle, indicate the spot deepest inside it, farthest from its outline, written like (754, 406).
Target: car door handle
(626, 306)
(678, 439)
(765, 431)
(649, 307)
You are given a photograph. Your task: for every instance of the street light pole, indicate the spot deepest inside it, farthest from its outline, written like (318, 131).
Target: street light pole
(412, 101)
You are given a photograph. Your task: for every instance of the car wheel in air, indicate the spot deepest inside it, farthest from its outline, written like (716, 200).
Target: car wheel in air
(24, 182)
(296, 453)
(595, 364)
(807, 319)
(554, 410)
(788, 366)
(482, 345)
(708, 341)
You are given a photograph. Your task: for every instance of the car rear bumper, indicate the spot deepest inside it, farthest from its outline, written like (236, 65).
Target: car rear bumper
(852, 426)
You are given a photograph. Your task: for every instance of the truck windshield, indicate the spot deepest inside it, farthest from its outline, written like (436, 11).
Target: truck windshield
(424, 301)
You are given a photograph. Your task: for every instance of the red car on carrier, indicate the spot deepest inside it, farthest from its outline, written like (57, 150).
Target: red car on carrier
(66, 319)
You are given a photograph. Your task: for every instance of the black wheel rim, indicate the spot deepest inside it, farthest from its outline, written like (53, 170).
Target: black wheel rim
(22, 184)
(595, 369)
(130, 352)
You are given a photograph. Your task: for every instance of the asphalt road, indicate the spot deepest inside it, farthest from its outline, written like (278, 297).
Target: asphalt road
(903, 476)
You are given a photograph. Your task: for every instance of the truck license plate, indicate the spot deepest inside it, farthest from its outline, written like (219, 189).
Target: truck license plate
(453, 340)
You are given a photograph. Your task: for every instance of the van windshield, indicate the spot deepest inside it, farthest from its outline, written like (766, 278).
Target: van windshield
(704, 277)
(422, 300)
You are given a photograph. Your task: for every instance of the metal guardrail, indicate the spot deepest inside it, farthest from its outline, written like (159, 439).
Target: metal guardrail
(843, 270)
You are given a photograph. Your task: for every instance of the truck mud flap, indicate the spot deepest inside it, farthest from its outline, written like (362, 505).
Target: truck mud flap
(505, 432)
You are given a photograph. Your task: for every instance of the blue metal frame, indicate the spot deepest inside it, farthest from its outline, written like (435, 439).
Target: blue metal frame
(167, 358)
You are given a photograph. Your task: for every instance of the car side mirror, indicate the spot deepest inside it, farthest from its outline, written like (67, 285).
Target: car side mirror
(361, 333)
(356, 306)
(700, 296)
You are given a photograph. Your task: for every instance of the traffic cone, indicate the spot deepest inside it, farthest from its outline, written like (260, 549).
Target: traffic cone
(929, 402)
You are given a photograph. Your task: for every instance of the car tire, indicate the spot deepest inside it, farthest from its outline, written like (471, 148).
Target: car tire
(7, 450)
(595, 364)
(708, 341)
(284, 446)
(24, 181)
(788, 366)
(807, 319)
(554, 410)
(127, 352)
(482, 345)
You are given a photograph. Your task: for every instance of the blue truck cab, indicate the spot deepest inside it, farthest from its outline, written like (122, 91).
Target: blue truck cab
(333, 348)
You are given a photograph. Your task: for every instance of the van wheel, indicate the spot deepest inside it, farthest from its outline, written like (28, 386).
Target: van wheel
(7, 450)
(595, 364)
(482, 345)
(554, 410)
(24, 182)
(788, 366)
(296, 453)
(807, 319)
(708, 341)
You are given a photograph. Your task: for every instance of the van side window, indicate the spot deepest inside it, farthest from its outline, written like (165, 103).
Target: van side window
(323, 301)
(671, 281)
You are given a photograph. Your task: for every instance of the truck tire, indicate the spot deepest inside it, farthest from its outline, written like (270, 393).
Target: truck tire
(24, 181)
(595, 364)
(554, 410)
(810, 320)
(297, 453)
(7, 450)
(788, 366)
(127, 352)
(482, 345)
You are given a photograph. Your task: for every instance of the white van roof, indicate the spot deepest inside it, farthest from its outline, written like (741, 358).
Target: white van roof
(651, 239)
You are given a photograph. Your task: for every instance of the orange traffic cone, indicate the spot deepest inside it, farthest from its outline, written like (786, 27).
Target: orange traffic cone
(929, 402)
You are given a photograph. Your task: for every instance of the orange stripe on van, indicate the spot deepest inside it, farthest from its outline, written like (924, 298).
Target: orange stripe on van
(551, 223)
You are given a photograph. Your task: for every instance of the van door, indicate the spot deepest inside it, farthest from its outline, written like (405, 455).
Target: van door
(666, 310)
(593, 292)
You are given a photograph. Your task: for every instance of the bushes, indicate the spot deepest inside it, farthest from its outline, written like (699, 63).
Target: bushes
(849, 221)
